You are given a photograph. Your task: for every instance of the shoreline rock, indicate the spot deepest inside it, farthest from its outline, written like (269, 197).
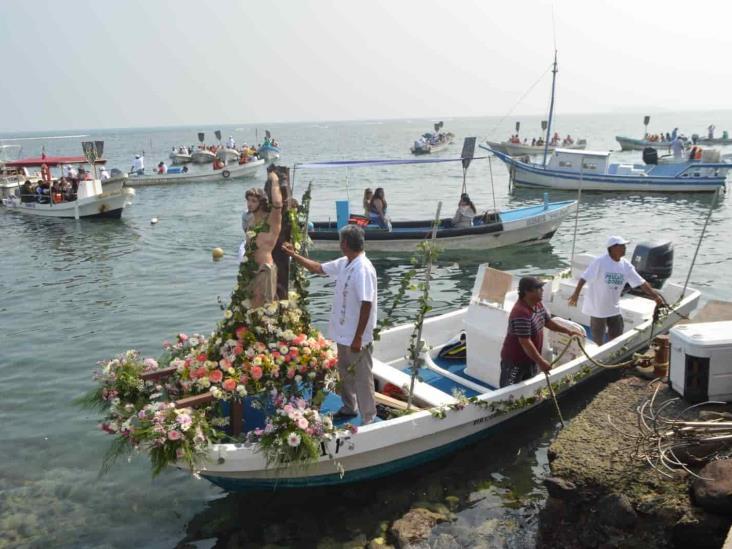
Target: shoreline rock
(602, 495)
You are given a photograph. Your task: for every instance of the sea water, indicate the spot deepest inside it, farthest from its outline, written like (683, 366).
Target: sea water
(76, 292)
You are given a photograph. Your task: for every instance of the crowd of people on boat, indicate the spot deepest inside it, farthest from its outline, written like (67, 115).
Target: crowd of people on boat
(555, 141)
(64, 189)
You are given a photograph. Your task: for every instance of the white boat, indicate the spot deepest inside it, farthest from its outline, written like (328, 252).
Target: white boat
(228, 155)
(202, 156)
(592, 171)
(180, 158)
(446, 421)
(521, 149)
(527, 225)
(92, 200)
(632, 144)
(233, 171)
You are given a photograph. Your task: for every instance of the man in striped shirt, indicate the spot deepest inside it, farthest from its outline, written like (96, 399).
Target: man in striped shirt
(521, 351)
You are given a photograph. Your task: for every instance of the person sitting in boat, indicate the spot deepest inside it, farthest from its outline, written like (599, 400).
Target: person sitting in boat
(66, 189)
(377, 210)
(27, 191)
(230, 143)
(162, 168)
(138, 165)
(104, 174)
(533, 141)
(540, 142)
(218, 164)
(368, 194)
(555, 139)
(521, 351)
(608, 275)
(465, 213)
(244, 157)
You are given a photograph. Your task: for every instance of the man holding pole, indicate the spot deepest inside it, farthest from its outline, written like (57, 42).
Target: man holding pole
(352, 320)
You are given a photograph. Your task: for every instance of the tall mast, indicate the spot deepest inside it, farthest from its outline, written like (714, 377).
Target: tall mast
(551, 108)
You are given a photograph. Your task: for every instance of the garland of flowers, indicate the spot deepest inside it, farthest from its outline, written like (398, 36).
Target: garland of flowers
(271, 353)
(300, 241)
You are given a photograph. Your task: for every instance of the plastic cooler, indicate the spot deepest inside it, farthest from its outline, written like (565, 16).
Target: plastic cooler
(701, 361)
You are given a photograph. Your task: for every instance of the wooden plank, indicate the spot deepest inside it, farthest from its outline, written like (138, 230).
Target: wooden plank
(714, 310)
(158, 374)
(193, 401)
(386, 400)
(495, 286)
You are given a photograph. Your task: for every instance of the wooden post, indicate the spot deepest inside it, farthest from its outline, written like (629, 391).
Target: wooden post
(237, 421)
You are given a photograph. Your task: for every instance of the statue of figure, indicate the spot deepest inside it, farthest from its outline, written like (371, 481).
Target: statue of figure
(264, 284)
(282, 260)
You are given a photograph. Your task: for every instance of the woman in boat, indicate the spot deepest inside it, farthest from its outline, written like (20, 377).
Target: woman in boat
(377, 210)
(465, 213)
(218, 164)
(367, 196)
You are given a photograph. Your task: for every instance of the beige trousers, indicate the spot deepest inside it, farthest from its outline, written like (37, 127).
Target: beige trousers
(357, 381)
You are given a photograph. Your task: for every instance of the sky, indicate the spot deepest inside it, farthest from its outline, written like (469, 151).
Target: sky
(80, 64)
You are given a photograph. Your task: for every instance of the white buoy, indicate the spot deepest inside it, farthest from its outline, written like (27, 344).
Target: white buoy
(217, 253)
(153, 221)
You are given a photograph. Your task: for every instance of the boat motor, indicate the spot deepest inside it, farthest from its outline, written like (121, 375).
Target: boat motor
(654, 261)
(650, 155)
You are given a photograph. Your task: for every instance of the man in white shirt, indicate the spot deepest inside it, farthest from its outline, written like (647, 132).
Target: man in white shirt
(677, 147)
(231, 144)
(608, 275)
(352, 320)
(104, 174)
(138, 165)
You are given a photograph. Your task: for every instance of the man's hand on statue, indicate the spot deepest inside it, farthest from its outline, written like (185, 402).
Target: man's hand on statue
(288, 248)
(356, 344)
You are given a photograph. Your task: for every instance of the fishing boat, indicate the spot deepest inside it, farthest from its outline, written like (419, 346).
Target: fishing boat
(94, 198)
(269, 150)
(203, 156)
(456, 401)
(433, 142)
(527, 225)
(631, 144)
(184, 175)
(721, 141)
(592, 171)
(522, 149)
(180, 156)
(227, 155)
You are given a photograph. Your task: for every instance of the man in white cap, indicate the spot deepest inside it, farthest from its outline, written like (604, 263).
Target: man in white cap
(608, 275)
(104, 174)
(138, 165)
(231, 144)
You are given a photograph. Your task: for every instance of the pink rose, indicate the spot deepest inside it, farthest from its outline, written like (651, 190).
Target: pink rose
(174, 435)
(299, 339)
(201, 357)
(256, 373)
(182, 338)
(216, 376)
(241, 331)
(229, 385)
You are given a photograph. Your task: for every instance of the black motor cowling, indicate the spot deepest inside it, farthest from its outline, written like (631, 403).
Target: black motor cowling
(654, 261)
(650, 155)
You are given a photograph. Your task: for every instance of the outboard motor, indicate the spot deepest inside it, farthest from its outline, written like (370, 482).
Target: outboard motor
(115, 172)
(654, 261)
(650, 155)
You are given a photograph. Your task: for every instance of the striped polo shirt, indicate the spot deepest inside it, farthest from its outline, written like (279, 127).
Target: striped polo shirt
(524, 322)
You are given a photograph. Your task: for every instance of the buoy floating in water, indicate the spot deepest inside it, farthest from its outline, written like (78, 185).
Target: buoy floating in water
(153, 221)
(217, 253)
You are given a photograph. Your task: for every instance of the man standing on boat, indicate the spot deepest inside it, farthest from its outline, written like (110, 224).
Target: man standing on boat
(352, 320)
(608, 275)
(521, 351)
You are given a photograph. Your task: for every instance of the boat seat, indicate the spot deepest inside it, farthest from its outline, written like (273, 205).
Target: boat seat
(423, 392)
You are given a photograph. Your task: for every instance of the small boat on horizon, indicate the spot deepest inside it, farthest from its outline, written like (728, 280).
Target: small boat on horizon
(433, 142)
(184, 175)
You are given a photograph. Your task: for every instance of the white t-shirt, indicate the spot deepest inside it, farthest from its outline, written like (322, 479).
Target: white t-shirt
(355, 282)
(606, 279)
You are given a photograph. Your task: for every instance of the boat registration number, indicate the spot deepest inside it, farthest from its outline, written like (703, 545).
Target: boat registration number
(536, 220)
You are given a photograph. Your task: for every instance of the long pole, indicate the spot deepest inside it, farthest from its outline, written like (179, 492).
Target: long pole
(576, 213)
(701, 237)
(551, 108)
(493, 191)
(418, 342)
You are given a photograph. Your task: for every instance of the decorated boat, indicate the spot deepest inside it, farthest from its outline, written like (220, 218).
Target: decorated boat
(172, 408)
(593, 171)
(184, 175)
(433, 142)
(269, 150)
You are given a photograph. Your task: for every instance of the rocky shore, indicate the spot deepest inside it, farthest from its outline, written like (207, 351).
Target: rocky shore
(602, 494)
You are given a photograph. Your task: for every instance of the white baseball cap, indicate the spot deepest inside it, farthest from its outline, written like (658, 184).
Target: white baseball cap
(615, 240)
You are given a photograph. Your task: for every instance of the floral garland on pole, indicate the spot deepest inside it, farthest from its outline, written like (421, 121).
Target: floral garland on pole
(271, 356)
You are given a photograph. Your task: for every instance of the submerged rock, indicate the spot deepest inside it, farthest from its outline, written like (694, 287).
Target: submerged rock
(414, 527)
(713, 491)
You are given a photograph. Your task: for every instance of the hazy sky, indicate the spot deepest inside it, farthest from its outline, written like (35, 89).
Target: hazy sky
(106, 64)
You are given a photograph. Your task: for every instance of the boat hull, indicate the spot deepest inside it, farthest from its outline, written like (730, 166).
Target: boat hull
(227, 155)
(268, 153)
(230, 172)
(630, 144)
(383, 448)
(106, 205)
(180, 159)
(516, 149)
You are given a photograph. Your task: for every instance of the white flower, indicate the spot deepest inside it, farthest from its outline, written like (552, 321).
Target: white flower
(228, 314)
(241, 390)
(293, 439)
(251, 234)
(298, 378)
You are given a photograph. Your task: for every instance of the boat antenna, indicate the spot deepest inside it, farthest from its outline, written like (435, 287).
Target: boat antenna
(551, 104)
(701, 237)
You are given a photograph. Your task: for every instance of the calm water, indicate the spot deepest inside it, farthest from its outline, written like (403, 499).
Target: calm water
(74, 293)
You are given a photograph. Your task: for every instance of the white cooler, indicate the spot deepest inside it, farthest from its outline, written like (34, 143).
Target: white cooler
(701, 361)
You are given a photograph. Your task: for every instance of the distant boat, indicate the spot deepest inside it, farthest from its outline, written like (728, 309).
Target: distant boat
(183, 175)
(269, 149)
(202, 156)
(180, 156)
(228, 155)
(592, 171)
(631, 144)
(93, 198)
